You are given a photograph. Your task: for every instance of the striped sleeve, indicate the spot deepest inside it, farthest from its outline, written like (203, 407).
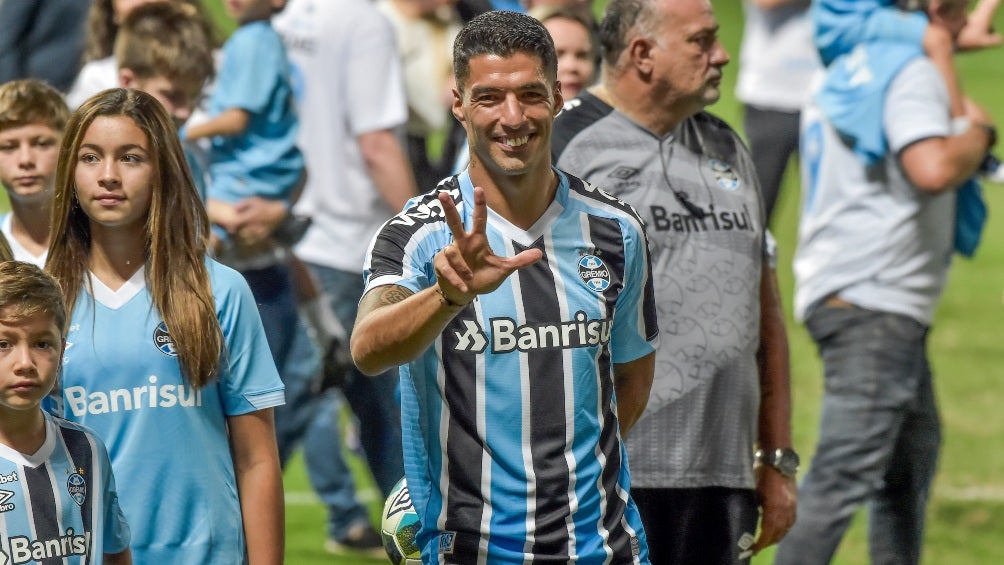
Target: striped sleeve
(636, 329)
(402, 251)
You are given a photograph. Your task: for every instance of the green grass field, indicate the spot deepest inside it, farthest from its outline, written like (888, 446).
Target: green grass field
(966, 515)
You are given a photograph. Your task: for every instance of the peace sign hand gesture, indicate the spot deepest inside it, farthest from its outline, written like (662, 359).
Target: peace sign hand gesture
(468, 266)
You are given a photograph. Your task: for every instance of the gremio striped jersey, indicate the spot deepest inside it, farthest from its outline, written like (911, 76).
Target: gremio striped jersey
(58, 505)
(512, 448)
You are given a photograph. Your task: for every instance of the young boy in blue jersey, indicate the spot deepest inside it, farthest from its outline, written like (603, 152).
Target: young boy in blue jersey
(519, 303)
(51, 471)
(253, 123)
(32, 118)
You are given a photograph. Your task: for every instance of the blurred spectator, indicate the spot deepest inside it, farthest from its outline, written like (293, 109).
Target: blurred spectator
(166, 50)
(350, 93)
(531, 4)
(876, 234)
(32, 118)
(252, 125)
(777, 60)
(425, 30)
(42, 39)
(100, 71)
(574, 33)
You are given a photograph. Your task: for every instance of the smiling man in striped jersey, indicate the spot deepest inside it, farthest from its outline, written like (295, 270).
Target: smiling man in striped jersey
(518, 300)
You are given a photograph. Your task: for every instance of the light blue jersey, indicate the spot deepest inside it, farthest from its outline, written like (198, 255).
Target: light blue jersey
(167, 441)
(58, 505)
(842, 25)
(264, 160)
(512, 447)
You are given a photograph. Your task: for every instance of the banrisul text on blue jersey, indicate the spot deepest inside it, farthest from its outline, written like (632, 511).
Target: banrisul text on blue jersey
(580, 332)
(154, 395)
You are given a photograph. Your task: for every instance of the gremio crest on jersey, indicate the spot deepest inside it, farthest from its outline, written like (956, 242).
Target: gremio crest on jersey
(163, 341)
(594, 273)
(724, 175)
(77, 486)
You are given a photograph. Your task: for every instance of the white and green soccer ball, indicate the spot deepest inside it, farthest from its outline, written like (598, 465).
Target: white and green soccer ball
(399, 526)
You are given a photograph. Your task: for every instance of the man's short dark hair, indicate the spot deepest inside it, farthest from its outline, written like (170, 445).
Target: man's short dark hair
(502, 33)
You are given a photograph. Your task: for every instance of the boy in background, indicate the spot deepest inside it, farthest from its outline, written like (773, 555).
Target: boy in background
(53, 471)
(166, 50)
(253, 123)
(32, 118)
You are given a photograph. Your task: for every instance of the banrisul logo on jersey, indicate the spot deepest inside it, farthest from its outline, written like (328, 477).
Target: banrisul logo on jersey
(508, 336)
(594, 273)
(163, 341)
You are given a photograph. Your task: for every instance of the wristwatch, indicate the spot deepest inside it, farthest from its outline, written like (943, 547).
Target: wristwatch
(991, 132)
(784, 459)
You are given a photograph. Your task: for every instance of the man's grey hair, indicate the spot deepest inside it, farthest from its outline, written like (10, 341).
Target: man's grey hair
(622, 20)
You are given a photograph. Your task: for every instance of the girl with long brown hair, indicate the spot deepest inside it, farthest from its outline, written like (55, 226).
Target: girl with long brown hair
(166, 358)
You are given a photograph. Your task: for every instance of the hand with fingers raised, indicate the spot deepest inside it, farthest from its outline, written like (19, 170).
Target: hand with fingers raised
(468, 266)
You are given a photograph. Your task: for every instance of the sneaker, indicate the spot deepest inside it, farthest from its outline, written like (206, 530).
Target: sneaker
(992, 169)
(362, 540)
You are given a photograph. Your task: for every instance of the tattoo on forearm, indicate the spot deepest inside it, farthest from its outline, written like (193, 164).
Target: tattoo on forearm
(393, 295)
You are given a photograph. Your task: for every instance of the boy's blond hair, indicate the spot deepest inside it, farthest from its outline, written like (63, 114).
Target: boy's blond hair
(26, 291)
(30, 101)
(167, 39)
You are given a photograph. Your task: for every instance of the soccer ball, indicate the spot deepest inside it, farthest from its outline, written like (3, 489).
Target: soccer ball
(399, 527)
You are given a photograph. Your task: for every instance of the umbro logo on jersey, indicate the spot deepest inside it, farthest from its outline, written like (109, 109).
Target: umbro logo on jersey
(745, 546)
(446, 542)
(163, 340)
(623, 173)
(572, 104)
(5, 506)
